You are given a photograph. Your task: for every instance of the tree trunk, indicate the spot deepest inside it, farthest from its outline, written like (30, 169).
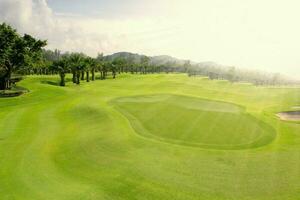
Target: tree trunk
(74, 77)
(62, 79)
(93, 74)
(78, 78)
(103, 75)
(2, 83)
(8, 84)
(82, 75)
(87, 76)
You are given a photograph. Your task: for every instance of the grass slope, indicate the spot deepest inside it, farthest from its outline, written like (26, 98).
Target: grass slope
(74, 143)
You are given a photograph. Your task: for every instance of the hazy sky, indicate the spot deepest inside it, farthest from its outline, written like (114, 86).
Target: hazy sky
(256, 34)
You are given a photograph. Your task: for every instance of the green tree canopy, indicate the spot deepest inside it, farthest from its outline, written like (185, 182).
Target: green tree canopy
(16, 53)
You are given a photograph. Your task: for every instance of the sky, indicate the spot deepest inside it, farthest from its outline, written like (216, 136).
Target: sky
(252, 34)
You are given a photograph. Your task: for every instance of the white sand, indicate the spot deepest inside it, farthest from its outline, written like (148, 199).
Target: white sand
(289, 116)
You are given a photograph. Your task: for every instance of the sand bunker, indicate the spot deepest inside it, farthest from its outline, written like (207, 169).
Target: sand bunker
(289, 115)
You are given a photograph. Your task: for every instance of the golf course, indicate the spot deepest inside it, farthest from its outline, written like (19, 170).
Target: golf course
(149, 137)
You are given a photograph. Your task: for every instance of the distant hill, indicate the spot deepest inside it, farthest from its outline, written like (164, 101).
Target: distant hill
(126, 55)
(159, 60)
(164, 59)
(156, 60)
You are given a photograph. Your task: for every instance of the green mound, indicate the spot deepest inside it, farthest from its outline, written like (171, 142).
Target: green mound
(195, 122)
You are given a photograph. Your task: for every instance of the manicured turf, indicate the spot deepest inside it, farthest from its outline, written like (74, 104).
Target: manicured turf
(149, 137)
(193, 121)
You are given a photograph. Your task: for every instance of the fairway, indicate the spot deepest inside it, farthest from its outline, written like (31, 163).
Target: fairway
(160, 136)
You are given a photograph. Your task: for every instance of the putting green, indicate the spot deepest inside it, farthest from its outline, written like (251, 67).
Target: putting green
(193, 121)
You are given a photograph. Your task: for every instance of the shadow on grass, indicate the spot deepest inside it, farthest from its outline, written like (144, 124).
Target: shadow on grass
(55, 83)
(50, 83)
(5, 94)
(13, 92)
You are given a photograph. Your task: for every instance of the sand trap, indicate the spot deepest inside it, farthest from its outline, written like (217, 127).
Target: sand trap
(289, 115)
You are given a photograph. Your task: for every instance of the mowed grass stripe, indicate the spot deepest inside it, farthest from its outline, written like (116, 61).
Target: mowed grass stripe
(39, 172)
(71, 143)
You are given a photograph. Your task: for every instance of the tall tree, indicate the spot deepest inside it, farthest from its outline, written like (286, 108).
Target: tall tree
(102, 66)
(76, 64)
(62, 67)
(145, 60)
(16, 53)
(90, 65)
(113, 68)
(119, 64)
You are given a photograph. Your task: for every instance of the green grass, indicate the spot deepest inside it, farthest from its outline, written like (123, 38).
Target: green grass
(149, 137)
(195, 122)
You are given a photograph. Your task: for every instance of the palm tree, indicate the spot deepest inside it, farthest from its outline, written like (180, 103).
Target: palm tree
(113, 67)
(61, 66)
(104, 68)
(90, 66)
(76, 64)
(93, 66)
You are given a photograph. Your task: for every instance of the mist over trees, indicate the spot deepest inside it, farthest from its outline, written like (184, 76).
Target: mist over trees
(168, 64)
(233, 74)
(25, 55)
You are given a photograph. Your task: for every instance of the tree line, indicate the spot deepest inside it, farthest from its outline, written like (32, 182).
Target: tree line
(25, 55)
(233, 74)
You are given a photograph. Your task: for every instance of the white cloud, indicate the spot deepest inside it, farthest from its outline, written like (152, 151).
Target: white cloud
(71, 32)
(250, 33)
(64, 32)
(16, 12)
